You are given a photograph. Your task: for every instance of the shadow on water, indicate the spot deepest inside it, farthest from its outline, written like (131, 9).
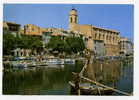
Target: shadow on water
(54, 81)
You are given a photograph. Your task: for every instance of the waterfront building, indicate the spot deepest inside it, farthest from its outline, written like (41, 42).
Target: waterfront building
(126, 46)
(46, 36)
(21, 52)
(11, 27)
(104, 42)
(21, 31)
(30, 29)
(99, 48)
(110, 38)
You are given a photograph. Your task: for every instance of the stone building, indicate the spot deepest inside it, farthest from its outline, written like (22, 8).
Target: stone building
(22, 52)
(46, 36)
(30, 29)
(11, 27)
(99, 48)
(126, 46)
(110, 38)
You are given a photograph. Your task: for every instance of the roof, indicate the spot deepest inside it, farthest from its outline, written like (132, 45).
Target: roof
(73, 9)
(59, 34)
(56, 34)
(106, 29)
(124, 39)
(13, 23)
(99, 28)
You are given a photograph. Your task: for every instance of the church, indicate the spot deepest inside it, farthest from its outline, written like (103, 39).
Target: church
(100, 40)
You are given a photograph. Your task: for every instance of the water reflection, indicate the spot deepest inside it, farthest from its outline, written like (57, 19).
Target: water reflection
(39, 80)
(117, 74)
(54, 81)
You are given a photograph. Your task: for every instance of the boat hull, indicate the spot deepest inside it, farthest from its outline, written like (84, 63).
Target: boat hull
(91, 91)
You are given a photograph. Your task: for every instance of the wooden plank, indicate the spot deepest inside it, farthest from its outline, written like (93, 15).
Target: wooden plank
(99, 84)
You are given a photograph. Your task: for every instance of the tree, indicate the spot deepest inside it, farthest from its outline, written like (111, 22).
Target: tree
(76, 44)
(56, 43)
(67, 44)
(8, 43)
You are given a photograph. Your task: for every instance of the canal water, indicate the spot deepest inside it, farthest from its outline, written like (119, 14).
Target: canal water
(54, 80)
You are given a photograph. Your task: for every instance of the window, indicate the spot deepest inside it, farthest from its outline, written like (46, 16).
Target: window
(95, 35)
(99, 36)
(71, 19)
(75, 19)
(32, 29)
(103, 36)
(107, 37)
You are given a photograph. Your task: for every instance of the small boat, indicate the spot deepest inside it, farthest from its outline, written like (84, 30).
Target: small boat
(87, 89)
(69, 61)
(20, 65)
(42, 65)
(36, 64)
(19, 58)
(55, 61)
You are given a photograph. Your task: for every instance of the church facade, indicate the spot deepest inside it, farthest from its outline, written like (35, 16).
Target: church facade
(97, 39)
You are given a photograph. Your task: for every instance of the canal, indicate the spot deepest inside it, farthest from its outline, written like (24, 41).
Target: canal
(54, 81)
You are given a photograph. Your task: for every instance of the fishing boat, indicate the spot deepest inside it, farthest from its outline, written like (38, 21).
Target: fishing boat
(87, 84)
(87, 89)
(81, 85)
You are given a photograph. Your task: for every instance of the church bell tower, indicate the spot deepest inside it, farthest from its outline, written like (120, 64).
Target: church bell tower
(73, 19)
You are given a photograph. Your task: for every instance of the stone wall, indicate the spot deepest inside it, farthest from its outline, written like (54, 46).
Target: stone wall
(30, 29)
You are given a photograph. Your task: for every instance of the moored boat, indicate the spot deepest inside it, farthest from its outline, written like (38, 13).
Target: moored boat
(87, 89)
(55, 61)
(69, 61)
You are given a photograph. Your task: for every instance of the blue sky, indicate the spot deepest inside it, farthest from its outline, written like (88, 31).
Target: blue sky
(117, 17)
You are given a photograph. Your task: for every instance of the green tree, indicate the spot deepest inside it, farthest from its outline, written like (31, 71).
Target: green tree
(76, 44)
(8, 43)
(67, 44)
(56, 44)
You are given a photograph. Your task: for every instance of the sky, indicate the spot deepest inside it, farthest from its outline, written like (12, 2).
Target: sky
(117, 17)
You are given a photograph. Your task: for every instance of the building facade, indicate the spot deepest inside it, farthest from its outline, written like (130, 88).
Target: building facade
(30, 29)
(46, 36)
(110, 38)
(22, 52)
(99, 48)
(126, 46)
(11, 27)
